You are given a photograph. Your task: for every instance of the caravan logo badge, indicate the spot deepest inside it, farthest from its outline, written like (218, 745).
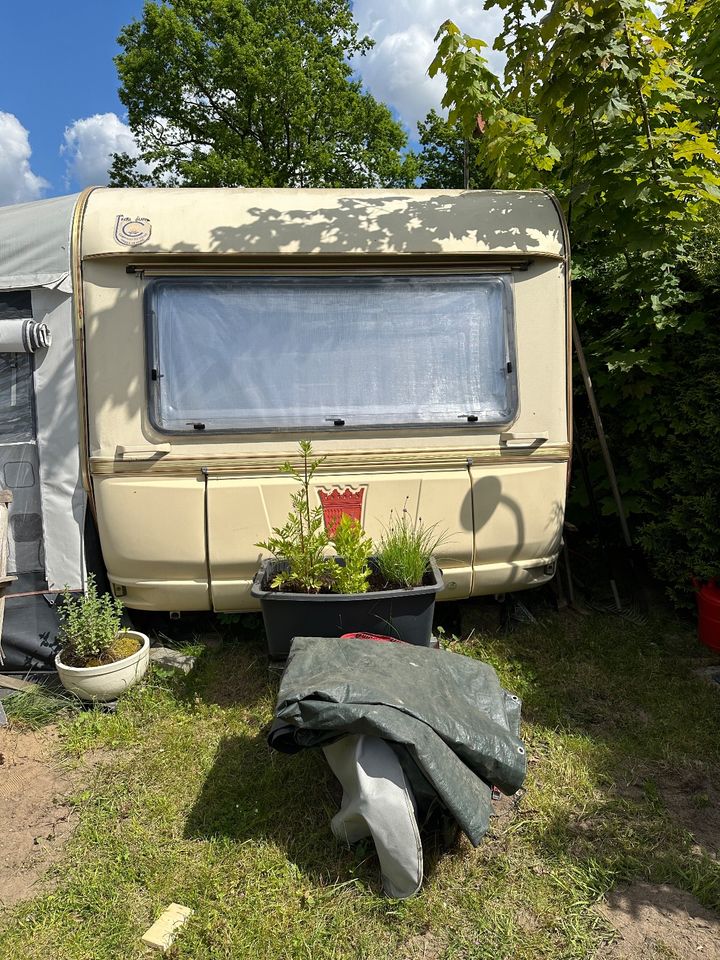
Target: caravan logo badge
(336, 502)
(132, 232)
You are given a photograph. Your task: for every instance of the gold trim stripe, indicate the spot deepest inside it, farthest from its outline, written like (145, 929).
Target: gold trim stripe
(261, 465)
(78, 301)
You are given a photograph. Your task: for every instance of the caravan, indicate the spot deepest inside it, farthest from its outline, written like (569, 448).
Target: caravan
(419, 338)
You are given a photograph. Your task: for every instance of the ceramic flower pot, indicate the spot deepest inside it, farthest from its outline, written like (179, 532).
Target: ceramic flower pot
(108, 681)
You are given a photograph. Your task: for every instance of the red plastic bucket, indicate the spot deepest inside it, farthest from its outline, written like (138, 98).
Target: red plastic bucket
(708, 602)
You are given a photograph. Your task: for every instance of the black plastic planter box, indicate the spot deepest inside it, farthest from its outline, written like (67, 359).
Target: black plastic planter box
(404, 614)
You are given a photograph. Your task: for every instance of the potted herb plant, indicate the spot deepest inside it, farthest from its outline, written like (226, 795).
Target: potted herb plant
(388, 588)
(98, 659)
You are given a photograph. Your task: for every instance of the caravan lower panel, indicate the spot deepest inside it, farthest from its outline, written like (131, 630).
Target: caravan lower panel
(152, 534)
(179, 595)
(518, 512)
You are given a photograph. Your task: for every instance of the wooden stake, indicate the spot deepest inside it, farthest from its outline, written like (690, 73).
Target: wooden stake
(15, 683)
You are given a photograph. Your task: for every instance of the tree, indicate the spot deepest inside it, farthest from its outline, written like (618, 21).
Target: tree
(598, 102)
(616, 109)
(253, 93)
(441, 163)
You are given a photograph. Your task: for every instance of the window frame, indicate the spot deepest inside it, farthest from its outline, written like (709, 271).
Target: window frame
(505, 274)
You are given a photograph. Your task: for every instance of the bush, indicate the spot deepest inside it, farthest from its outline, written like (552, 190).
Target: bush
(662, 415)
(90, 625)
(355, 548)
(679, 528)
(302, 541)
(402, 555)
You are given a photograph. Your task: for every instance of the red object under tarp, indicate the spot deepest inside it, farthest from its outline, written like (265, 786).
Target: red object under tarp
(370, 636)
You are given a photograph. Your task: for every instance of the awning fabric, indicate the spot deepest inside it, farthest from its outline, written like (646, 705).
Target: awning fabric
(35, 244)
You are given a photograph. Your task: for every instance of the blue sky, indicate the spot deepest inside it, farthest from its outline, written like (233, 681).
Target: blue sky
(60, 116)
(56, 67)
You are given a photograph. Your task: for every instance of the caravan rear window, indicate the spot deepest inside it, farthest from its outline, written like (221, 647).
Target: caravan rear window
(282, 353)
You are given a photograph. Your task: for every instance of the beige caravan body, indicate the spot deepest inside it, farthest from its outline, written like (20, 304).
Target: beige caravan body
(418, 338)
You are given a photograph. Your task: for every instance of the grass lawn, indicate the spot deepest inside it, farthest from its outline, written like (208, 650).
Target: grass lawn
(189, 805)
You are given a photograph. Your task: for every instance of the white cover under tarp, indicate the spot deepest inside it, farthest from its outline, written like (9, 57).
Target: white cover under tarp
(35, 244)
(377, 802)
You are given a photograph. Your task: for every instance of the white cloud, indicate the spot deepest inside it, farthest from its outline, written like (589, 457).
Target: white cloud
(89, 146)
(17, 181)
(395, 70)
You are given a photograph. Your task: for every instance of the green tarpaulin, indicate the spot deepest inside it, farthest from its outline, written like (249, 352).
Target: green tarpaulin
(446, 715)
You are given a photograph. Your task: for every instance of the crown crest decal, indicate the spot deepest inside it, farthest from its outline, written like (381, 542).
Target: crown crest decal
(337, 501)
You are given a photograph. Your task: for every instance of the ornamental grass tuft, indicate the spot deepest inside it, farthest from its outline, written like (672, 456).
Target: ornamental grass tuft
(403, 552)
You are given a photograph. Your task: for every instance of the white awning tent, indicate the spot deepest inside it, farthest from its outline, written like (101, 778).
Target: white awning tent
(35, 245)
(39, 458)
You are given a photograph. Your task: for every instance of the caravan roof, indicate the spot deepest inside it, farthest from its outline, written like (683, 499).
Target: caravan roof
(268, 222)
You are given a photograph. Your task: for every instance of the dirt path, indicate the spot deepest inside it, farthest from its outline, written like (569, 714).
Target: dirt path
(34, 817)
(658, 922)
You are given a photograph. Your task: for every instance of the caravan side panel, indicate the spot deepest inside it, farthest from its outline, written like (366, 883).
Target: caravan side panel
(519, 501)
(180, 508)
(242, 511)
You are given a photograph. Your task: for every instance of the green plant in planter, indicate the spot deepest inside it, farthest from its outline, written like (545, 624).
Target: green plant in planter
(90, 630)
(355, 549)
(402, 555)
(303, 540)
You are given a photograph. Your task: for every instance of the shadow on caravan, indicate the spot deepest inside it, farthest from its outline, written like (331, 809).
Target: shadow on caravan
(419, 338)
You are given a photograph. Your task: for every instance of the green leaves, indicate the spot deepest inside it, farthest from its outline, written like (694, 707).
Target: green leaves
(403, 551)
(603, 105)
(355, 549)
(511, 147)
(253, 93)
(302, 541)
(89, 624)
(616, 109)
(444, 152)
